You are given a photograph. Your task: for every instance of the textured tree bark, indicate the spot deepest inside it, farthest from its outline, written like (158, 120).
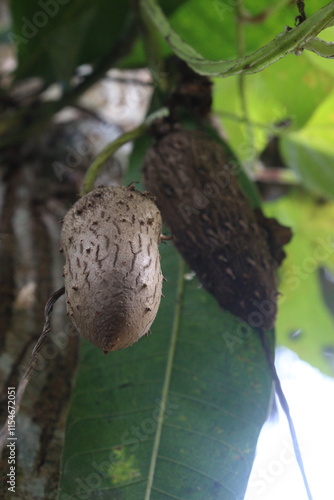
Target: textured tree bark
(32, 200)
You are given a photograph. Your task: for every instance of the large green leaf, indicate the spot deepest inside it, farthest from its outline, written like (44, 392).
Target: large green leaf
(290, 90)
(210, 27)
(178, 414)
(301, 306)
(207, 28)
(53, 37)
(310, 151)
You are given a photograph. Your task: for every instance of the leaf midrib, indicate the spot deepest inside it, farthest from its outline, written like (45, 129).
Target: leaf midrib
(167, 378)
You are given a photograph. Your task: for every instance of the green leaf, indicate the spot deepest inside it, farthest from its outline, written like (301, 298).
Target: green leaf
(137, 57)
(208, 27)
(291, 90)
(310, 151)
(178, 414)
(53, 37)
(277, 48)
(301, 305)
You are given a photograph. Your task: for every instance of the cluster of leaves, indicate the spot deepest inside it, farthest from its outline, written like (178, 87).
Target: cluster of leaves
(178, 414)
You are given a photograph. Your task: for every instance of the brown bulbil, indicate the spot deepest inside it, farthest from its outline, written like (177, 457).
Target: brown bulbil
(112, 272)
(234, 250)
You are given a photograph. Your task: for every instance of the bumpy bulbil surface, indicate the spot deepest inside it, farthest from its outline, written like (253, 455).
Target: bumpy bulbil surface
(234, 250)
(112, 272)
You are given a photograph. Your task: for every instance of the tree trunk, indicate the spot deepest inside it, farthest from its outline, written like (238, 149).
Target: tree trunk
(32, 200)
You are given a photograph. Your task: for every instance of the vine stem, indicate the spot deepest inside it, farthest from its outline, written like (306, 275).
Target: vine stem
(154, 57)
(242, 82)
(111, 148)
(168, 377)
(291, 40)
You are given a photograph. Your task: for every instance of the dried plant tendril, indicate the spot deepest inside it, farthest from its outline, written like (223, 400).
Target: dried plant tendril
(33, 358)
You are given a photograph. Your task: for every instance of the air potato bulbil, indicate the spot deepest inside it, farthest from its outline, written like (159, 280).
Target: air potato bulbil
(234, 249)
(112, 271)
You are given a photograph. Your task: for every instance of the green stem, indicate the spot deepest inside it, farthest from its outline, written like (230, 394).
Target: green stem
(167, 380)
(242, 82)
(241, 119)
(289, 41)
(321, 48)
(151, 43)
(110, 149)
(276, 175)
